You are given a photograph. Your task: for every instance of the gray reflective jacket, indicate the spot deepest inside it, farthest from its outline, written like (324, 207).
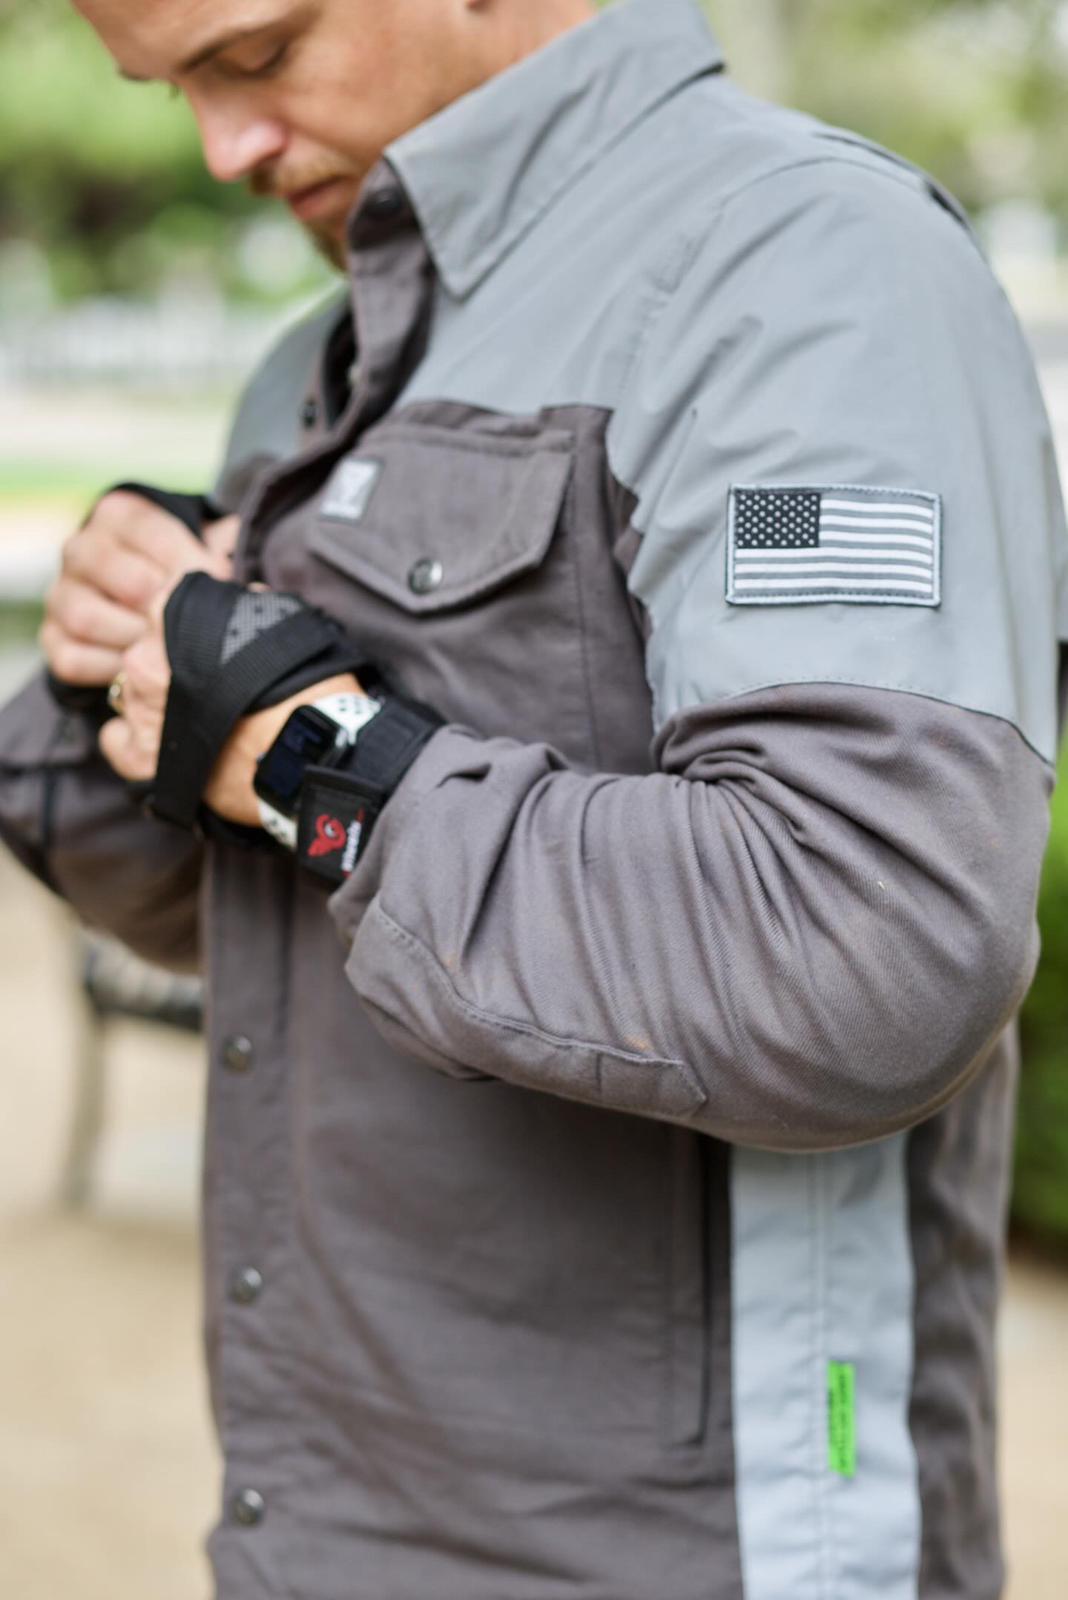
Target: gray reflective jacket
(624, 1148)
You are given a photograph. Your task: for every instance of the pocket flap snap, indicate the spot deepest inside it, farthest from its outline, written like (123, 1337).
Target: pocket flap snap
(431, 517)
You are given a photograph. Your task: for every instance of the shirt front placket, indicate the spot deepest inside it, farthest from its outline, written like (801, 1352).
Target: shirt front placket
(254, 1314)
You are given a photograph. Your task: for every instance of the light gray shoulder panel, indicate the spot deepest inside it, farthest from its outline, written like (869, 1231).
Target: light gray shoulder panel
(267, 425)
(839, 333)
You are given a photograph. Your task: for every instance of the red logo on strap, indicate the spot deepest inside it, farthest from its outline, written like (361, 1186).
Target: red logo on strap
(329, 836)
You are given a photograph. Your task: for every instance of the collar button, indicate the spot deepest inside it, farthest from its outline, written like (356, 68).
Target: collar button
(385, 204)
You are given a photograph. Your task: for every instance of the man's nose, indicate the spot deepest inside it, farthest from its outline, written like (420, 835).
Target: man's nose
(236, 145)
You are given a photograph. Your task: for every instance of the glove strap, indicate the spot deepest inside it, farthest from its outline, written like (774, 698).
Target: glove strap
(340, 805)
(232, 651)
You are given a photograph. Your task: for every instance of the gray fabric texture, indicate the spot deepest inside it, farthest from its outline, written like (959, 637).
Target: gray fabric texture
(72, 823)
(960, 1171)
(805, 931)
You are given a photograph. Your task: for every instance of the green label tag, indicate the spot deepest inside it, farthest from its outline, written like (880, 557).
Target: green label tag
(841, 1418)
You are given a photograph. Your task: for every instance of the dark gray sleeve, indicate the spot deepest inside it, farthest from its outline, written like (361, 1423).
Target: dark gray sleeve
(806, 928)
(804, 932)
(70, 821)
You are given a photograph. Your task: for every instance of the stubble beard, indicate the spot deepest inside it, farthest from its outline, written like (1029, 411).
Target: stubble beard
(324, 235)
(328, 245)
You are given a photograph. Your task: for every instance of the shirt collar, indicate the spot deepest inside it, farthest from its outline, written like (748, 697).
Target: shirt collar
(480, 173)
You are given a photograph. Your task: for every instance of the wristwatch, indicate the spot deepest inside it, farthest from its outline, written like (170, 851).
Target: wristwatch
(319, 735)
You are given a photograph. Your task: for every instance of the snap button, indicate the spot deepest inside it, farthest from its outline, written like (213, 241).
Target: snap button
(425, 576)
(246, 1286)
(237, 1053)
(384, 204)
(248, 1508)
(309, 412)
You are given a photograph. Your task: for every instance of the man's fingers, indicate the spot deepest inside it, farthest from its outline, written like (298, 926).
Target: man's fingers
(157, 536)
(89, 617)
(130, 743)
(96, 558)
(119, 751)
(148, 670)
(221, 539)
(89, 666)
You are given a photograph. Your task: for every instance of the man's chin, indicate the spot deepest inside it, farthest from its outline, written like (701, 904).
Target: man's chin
(329, 243)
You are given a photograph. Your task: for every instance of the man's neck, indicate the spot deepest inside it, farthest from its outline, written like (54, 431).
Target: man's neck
(525, 29)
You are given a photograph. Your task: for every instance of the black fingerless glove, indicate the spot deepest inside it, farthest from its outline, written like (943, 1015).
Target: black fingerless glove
(234, 651)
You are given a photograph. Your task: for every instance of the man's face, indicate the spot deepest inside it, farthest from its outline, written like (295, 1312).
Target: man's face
(299, 97)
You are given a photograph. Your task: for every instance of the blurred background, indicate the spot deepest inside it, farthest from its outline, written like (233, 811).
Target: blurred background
(135, 296)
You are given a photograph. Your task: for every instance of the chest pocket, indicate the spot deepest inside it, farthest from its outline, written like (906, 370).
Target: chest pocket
(446, 552)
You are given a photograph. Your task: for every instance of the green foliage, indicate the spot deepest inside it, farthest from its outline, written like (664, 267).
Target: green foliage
(973, 90)
(1041, 1198)
(103, 175)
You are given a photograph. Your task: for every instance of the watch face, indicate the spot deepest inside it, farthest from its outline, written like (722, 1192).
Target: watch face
(307, 738)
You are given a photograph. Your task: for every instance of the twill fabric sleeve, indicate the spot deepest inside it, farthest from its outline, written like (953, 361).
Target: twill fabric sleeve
(72, 823)
(806, 928)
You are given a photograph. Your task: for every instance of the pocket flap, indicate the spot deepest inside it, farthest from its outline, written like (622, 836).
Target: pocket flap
(432, 517)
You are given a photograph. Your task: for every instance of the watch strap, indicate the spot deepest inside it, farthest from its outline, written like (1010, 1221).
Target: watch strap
(351, 712)
(340, 805)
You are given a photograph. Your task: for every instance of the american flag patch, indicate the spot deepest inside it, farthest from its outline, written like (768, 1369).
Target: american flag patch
(874, 546)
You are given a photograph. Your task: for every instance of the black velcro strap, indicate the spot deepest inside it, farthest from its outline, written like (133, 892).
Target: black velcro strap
(339, 806)
(390, 742)
(219, 676)
(194, 511)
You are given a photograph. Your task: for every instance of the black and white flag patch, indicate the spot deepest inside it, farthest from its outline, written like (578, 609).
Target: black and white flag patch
(791, 546)
(349, 490)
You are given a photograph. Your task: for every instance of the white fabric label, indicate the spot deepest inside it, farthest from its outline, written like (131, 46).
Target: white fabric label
(349, 490)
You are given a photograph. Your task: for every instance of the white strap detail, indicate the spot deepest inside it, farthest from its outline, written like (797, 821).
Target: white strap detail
(282, 829)
(351, 712)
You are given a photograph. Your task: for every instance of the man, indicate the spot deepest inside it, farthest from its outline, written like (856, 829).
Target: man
(606, 1181)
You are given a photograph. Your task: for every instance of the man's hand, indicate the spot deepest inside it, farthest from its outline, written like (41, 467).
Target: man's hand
(123, 559)
(130, 742)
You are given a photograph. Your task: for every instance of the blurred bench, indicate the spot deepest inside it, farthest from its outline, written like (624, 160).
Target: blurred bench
(114, 984)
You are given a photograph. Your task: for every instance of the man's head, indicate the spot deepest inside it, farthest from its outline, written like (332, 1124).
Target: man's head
(301, 97)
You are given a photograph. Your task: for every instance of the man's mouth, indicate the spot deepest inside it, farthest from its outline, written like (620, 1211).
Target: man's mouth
(318, 200)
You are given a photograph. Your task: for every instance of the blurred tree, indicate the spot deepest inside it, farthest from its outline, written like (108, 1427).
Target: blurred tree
(103, 175)
(106, 177)
(974, 90)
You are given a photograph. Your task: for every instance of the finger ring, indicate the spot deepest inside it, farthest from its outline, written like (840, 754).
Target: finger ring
(116, 693)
